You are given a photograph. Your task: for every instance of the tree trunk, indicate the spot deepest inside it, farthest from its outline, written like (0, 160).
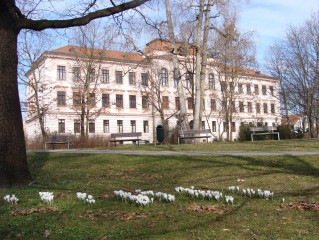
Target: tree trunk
(13, 158)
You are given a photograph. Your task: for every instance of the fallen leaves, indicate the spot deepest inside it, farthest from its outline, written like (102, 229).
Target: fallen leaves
(33, 210)
(302, 205)
(206, 209)
(120, 215)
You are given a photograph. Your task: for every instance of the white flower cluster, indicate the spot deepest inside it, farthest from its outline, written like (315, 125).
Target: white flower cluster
(233, 188)
(229, 199)
(259, 193)
(165, 197)
(11, 199)
(140, 200)
(84, 197)
(192, 192)
(47, 197)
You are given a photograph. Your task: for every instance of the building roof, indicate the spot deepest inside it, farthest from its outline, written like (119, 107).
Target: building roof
(292, 118)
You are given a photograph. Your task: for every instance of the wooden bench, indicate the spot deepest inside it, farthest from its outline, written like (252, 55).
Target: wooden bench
(192, 134)
(59, 139)
(264, 130)
(122, 137)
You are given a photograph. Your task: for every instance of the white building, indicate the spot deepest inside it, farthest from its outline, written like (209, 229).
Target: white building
(121, 85)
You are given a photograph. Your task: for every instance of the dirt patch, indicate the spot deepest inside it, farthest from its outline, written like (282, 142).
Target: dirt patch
(301, 205)
(33, 210)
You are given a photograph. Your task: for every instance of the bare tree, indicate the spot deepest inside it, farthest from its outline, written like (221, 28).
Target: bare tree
(13, 18)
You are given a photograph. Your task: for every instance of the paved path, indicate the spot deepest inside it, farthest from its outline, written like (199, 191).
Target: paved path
(167, 153)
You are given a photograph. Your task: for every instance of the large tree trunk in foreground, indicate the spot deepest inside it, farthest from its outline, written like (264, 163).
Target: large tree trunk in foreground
(13, 164)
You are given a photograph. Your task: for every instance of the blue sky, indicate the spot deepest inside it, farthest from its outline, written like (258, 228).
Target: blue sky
(271, 18)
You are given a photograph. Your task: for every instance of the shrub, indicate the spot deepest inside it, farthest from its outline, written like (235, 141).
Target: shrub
(244, 133)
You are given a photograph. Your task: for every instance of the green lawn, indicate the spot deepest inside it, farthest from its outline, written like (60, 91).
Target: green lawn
(268, 146)
(295, 178)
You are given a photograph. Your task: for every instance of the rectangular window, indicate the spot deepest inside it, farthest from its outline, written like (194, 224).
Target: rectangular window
(224, 105)
(144, 79)
(133, 126)
(118, 77)
(271, 89)
(190, 103)
(61, 100)
(240, 88)
(132, 101)
(119, 126)
(92, 74)
(241, 107)
(189, 79)
(257, 107)
(256, 89)
(106, 126)
(61, 73)
(119, 100)
(249, 107)
(105, 100)
(76, 99)
(248, 89)
(264, 89)
(203, 124)
(91, 100)
(211, 81)
(223, 86)
(61, 125)
(144, 102)
(132, 78)
(105, 76)
(145, 127)
(214, 127)
(272, 108)
(265, 106)
(233, 107)
(77, 128)
(176, 78)
(225, 127)
(75, 74)
(213, 105)
(233, 127)
(165, 102)
(177, 106)
(164, 77)
(91, 126)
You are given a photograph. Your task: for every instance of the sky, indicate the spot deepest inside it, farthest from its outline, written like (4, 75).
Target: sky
(271, 18)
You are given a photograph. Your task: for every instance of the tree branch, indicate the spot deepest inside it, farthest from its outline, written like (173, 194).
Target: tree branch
(39, 25)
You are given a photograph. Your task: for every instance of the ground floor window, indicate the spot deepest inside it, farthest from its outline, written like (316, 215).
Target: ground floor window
(77, 126)
(106, 126)
(133, 126)
(61, 125)
(91, 126)
(119, 126)
(214, 126)
(145, 126)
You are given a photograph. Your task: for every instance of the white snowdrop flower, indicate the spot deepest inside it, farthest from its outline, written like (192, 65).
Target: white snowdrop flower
(282, 200)
(11, 199)
(81, 196)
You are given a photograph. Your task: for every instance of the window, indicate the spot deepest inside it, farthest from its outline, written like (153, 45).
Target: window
(165, 102)
(119, 100)
(105, 100)
(264, 89)
(225, 127)
(211, 81)
(256, 89)
(271, 89)
(145, 127)
(241, 107)
(61, 73)
(75, 73)
(118, 77)
(223, 86)
(177, 106)
(77, 126)
(249, 107)
(233, 106)
(92, 74)
(105, 76)
(257, 107)
(189, 79)
(203, 124)
(213, 104)
(272, 108)
(190, 103)
(91, 126)
(248, 89)
(132, 78)
(61, 98)
(233, 127)
(119, 126)
(240, 88)
(176, 78)
(265, 106)
(133, 126)
(214, 127)
(164, 77)
(61, 125)
(76, 99)
(132, 101)
(224, 105)
(91, 100)
(106, 126)
(144, 78)
(144, 102)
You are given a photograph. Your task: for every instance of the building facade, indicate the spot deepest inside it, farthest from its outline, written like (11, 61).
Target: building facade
(114, 91)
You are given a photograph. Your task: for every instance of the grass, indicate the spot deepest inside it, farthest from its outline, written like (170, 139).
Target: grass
(268, 146)
(294, 178)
